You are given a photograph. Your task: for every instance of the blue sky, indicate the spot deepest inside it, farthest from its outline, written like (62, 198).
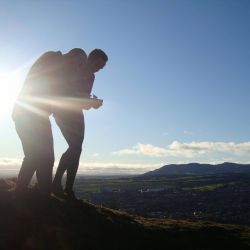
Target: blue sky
(176, 87)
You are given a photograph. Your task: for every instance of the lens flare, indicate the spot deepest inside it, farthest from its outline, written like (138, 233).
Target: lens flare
(8, 91)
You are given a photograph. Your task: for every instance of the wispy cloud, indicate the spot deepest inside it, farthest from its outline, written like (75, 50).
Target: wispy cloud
(178, 149)
(12, 166)
(110, 168)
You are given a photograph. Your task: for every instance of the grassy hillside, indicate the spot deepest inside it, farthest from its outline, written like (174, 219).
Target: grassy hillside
(60, 224)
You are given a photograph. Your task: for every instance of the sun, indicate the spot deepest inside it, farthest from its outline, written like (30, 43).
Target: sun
(9, 88)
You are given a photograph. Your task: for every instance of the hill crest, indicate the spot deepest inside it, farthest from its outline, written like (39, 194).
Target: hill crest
(60, 224)
(198, 168)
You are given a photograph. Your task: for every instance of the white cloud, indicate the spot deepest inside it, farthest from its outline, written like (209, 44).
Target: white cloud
(115, 168)
(12, 166)
(9, 164)
(178, 149)
(143, 149)
(111, 168)
(95, 155)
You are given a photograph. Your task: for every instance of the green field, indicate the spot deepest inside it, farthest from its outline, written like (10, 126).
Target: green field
(187, 182)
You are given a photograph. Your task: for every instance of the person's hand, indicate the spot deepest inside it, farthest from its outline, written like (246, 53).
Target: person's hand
(97, 103)
(87, 107)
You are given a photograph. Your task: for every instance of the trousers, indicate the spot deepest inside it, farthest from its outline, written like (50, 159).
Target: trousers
(72, 127)
(37, 142)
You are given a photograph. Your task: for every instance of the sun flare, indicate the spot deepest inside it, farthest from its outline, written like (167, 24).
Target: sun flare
(8, 91)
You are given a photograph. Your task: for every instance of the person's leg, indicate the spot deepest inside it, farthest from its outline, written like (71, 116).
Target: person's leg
(72, 128)
(62, 166)
(26, 134)
(75, 147)
(25, 174)
(36, 137)
(76, 150)
(46, 156)
(63, 123)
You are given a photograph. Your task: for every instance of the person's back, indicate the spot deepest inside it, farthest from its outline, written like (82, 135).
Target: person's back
(39, 86)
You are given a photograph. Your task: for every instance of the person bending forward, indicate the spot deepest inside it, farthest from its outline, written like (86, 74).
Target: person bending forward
(79, 81)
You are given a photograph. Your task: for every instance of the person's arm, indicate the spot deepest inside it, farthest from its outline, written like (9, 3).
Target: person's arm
(88, 102)
(85, 89)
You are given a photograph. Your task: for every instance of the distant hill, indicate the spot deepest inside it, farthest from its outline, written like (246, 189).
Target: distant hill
(32, 223)
(196, 168)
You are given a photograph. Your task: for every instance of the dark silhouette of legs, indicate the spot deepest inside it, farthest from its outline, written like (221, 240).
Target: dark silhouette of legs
(75, 152)
(37, 142)
(25, 174)
(72, 128)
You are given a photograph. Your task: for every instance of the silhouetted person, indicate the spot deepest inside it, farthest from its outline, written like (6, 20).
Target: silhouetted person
(31, 116)
(81, 76)
(34, 105)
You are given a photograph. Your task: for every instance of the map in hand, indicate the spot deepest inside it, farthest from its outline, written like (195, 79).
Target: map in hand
(92, 103)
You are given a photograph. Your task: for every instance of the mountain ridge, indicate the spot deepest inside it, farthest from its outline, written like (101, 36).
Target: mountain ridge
(199, 168)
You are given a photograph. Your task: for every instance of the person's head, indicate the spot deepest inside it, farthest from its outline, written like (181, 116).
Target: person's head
(97, 59)
(76, 57)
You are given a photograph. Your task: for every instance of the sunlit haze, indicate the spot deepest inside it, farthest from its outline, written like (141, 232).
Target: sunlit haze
(8, 92)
